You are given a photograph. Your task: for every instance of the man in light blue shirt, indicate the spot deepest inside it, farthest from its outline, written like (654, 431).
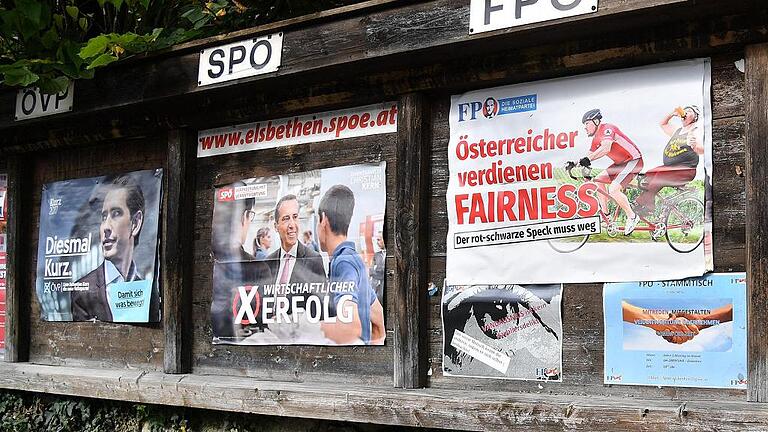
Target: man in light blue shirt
(367, 324)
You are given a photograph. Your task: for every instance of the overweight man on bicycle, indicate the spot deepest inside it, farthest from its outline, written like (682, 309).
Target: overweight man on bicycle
(681, 157)
(608, 140)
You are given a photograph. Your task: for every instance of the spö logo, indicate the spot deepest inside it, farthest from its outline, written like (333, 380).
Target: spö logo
(492, 107)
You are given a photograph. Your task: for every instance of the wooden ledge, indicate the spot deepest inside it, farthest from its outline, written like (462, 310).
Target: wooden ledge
(427, 407)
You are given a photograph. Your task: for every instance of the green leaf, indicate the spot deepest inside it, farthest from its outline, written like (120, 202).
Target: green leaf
(73, 11)
(145, 3)
(30, 9)
(19, 77)
(102, 60)
(50, 39)
(94, 46)
(83, 23)
(58, 19)
(53, 85)
(117, 3)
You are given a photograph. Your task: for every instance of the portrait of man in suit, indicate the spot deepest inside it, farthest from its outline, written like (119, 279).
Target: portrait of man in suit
(122, 217)
(293, 262)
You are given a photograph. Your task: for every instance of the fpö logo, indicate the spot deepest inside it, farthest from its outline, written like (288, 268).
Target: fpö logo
(547, 373)
(492, 107)
(740, 380)
(613, 378)
(226, 194)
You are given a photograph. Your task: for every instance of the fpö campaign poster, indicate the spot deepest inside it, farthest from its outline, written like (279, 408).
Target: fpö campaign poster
(503, 331)
(3, 248)
(681, 333)
(299, 258)
(97, 256)
(594, 178)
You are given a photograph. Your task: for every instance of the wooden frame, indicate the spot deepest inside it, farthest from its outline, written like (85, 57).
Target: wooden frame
(410, 241)
(16, 314)
(757, 213)
(371, 65)
(176, 234)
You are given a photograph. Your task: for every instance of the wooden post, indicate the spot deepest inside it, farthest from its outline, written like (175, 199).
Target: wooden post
(17, 248)
(178, 219)
(411, 177)
(756, 111)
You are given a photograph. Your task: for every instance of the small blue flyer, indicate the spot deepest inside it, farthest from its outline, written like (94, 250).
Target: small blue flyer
(129, 301)
(682, 333)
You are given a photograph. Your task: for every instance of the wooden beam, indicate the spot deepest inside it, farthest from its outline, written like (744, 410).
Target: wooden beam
(756, 112)
(411, 193)
(433, 408)
(274, 98)
(403, 34)
(17, 288)
(178, 218)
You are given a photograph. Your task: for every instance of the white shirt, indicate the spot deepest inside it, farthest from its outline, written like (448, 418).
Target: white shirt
(293, 251)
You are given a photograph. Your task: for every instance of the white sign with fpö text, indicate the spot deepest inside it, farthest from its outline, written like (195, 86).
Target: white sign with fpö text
(240, 59)
(30, 103)
(488, 15)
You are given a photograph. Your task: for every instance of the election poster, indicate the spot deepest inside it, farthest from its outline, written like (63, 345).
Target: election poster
(3, 252)
(97, 256)
(603, 177)
(503, 331)
(299, 258)
(680, 333)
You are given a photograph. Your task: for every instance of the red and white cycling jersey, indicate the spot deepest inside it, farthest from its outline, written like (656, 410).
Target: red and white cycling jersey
(622, 150)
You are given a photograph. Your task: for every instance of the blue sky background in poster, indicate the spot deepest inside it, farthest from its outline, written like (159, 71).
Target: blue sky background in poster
(715, 357)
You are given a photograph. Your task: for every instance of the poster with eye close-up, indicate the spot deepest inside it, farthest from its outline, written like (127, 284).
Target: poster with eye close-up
(503, 331)
(98, 248)
(299, 258)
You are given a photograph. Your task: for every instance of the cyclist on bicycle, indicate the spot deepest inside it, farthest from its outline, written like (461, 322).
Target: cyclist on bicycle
(681, 157)
(608, 140)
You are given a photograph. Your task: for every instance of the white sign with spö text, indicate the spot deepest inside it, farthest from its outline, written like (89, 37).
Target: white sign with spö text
(488, 15)
(30, 103)
(240, 59)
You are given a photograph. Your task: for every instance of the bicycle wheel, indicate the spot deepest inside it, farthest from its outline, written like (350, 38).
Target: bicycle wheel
(568, 244)
(685, 225)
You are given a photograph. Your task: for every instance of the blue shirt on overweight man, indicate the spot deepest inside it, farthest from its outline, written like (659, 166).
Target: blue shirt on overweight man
(346, 266)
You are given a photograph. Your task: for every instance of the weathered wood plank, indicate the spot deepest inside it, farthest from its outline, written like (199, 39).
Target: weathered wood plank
(387, 38)
(757, 214)
(349, 86)
(16, 312)
(177, 229)
(477, 410)
(411, 182)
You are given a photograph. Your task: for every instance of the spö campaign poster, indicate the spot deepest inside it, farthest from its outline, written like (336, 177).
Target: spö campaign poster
(299, 258)
(681, 333)
(592, 178)
(503, 331)
(97, 248)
